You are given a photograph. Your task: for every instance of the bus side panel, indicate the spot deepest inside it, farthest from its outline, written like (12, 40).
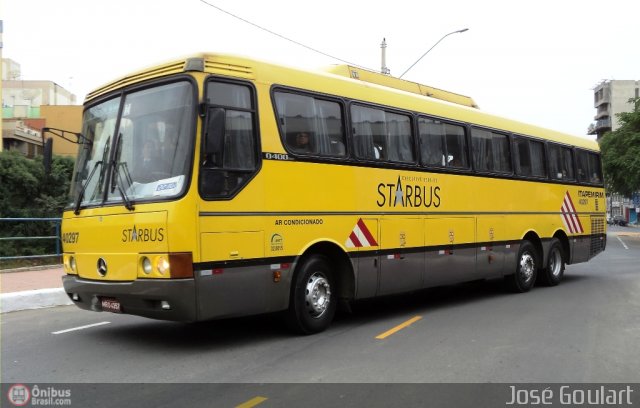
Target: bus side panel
(401, 270)
(234, 285)
(241, 291)
(367, 278)
(368, 266)
(453, 257)
(490, 260)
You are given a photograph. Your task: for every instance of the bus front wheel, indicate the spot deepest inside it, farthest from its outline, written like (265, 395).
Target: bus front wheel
(526, 269)
(313, 297)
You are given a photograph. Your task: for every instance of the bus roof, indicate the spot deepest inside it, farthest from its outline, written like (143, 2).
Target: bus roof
(397, 83)
(339, 80)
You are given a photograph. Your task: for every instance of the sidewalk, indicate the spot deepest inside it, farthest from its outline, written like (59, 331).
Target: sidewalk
(32, 289)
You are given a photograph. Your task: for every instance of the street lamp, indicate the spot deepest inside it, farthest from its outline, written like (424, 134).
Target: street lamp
(432, 47)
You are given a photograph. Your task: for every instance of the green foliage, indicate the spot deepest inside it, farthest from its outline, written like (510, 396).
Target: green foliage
(621, 153)
(27, 192)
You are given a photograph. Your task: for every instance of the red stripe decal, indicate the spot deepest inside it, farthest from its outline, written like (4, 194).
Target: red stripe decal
(355, 240)
(365, 231)
(573, 209)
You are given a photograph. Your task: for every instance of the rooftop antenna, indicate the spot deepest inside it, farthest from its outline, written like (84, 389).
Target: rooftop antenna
(383, 49)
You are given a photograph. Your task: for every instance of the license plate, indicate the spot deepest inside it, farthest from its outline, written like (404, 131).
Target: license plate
(110, 305)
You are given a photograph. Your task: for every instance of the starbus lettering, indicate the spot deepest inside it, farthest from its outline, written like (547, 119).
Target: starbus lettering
(408, 195)
(143, 234)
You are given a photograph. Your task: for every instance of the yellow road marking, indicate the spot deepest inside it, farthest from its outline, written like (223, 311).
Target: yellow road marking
(398, 328)
(252, 402)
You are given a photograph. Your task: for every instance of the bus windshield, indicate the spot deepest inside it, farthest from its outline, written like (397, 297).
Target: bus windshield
(136, 147)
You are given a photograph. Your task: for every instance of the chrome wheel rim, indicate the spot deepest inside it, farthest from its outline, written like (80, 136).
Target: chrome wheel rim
(555, 262)
(527, 266)
(317, 295)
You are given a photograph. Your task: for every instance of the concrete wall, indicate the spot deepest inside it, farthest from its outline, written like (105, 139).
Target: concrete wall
(621, 92)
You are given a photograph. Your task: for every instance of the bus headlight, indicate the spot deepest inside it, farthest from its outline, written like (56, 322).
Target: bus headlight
(146, 265)
(162, 265)
(72, 264)
(174, 265)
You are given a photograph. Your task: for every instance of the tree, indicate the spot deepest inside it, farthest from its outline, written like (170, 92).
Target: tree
(621, 153)
(27, 192)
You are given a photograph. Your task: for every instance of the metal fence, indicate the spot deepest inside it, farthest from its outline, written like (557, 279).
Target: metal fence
(56, 237)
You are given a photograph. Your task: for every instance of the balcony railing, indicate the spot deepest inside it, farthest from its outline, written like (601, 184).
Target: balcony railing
(603, 124)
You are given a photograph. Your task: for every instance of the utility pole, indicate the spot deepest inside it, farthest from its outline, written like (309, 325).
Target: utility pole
(383, 49)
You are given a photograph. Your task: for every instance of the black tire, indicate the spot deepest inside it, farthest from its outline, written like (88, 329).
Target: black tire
(527, 265)
(553, 272)
(313, 300)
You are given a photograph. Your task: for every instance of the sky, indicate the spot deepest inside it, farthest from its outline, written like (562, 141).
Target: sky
(532, 61)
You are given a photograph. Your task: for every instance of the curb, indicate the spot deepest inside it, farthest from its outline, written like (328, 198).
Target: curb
(31, 268)
(33, 299)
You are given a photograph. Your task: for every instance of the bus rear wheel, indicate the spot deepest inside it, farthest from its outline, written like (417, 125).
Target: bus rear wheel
(313, 297)
(554, 270)
(526, 269)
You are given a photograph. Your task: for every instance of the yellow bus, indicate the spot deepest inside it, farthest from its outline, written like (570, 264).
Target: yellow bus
(217, 186)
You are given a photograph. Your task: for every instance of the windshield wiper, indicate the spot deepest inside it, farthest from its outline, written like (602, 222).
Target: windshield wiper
(127, 202)
(105, 153)
(76, 208)
(116, 180)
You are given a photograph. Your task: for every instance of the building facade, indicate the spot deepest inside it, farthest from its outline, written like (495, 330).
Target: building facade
(26, 106)
(611, 97)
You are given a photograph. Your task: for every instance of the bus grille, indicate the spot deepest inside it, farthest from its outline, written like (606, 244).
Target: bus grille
(598, 240)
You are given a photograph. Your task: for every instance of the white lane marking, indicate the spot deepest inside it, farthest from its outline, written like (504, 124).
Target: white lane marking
(80, 328)
(622, 242)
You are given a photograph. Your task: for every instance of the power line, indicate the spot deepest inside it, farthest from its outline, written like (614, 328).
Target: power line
(280, 35)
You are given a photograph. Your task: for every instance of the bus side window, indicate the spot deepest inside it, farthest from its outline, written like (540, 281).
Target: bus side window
(239, 157)
(442, 144)
(432, 147)
(582, 160)
(382, 135)
(456, 144)
(595, 168)
(367, 140)
(522, 156)
(589, 169)
(538, 161)
(491, 151)
(310, 125)
(482, 149)
(399, 139)
(560, 162)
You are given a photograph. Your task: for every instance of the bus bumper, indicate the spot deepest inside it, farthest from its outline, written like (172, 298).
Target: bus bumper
(163, 299)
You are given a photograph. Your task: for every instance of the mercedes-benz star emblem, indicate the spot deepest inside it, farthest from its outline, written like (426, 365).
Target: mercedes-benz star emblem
(102, 267)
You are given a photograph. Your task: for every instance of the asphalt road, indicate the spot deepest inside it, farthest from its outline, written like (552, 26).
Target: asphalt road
(586, 330)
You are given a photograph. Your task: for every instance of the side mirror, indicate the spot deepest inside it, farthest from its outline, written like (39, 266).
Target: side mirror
(47, 155)
(214, 135)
